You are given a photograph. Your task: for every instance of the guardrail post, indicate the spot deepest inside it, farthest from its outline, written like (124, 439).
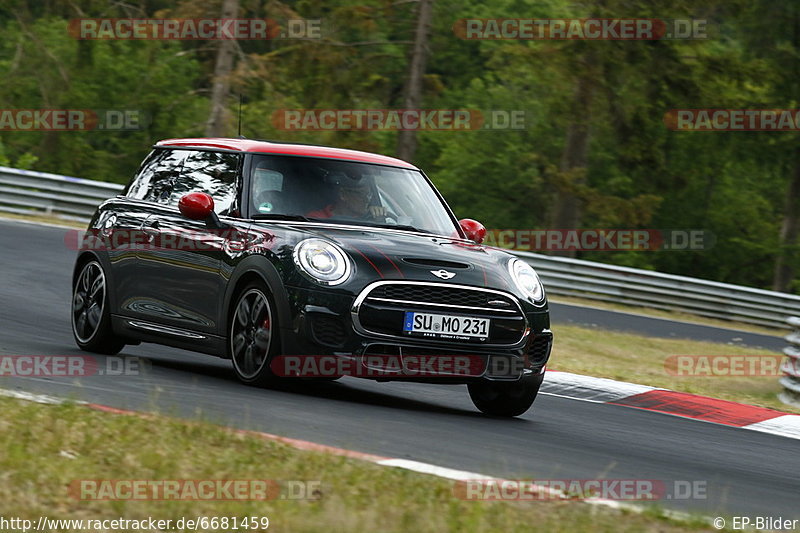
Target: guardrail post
(791, 366)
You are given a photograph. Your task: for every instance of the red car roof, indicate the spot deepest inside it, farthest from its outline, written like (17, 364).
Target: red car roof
(266, 147)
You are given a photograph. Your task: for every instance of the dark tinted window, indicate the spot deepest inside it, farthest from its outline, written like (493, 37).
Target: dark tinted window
(210, 172)
(154, 181)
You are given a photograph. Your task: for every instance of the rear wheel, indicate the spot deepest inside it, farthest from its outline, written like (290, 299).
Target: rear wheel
(91, 319)
(252, 339)
(497, 398)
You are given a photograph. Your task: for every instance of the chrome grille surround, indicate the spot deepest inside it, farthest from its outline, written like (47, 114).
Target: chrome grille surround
(490, 294)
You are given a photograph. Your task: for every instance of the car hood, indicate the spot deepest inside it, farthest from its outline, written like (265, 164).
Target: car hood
(396, 255)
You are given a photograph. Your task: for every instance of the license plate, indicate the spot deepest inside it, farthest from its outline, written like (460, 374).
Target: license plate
(446, 326)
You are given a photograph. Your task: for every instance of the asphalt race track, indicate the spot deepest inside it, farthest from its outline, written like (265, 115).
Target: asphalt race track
(747, 472)
(601, 319)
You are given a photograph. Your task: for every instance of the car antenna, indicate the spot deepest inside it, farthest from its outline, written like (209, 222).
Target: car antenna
(240, 117)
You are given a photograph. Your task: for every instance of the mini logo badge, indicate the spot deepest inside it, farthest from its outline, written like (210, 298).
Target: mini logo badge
(442, 273)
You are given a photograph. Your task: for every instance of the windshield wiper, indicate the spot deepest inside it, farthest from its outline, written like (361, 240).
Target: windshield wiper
(399, 226)
(279, 216)
(301, 218)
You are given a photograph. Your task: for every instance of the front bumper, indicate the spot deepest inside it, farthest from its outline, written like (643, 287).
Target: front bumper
(326, 323)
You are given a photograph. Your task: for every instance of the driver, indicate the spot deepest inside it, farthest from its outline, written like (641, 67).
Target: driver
(353, 200)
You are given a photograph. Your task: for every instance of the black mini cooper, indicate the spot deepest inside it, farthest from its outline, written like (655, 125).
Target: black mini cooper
(310, 262)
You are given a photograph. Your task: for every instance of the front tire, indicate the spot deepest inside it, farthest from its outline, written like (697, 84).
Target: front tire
(496, 398)
(252, 335)
(91, 318)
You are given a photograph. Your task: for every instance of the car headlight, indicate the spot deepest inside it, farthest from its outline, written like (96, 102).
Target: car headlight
(526, 279)
(322, 261)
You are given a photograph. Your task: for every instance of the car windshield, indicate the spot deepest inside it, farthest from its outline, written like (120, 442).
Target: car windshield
(298, 188)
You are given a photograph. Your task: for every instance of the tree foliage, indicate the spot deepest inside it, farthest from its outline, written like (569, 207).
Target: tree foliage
(622, 169)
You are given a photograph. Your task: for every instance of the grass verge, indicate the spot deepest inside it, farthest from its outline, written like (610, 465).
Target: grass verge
(638, 359)
(46, 447)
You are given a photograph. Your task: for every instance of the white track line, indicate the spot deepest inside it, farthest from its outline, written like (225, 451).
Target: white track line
(30, 397)
(53, 224)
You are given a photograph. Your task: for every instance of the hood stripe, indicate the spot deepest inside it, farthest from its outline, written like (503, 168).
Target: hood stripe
(368, 261)
(389, 259)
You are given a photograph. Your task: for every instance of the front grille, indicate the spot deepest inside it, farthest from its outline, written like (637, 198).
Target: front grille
(381, 309)
(328, 330)
(442, 295)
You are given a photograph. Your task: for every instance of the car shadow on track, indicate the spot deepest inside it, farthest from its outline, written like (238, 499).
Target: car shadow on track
(327, 390)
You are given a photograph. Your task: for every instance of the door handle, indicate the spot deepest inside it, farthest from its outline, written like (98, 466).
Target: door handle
(152, 230)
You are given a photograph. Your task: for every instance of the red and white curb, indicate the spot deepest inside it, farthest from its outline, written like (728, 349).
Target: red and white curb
(602, 390)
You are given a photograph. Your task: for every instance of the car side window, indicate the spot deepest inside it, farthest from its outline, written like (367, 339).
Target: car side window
(213, 173)
(155, 179)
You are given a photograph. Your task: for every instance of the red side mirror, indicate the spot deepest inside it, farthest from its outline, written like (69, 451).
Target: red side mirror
(196, 205)
(474, 229)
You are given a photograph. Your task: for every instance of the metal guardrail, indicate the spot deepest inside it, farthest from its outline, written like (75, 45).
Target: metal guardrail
(29, 192)
(623, 285)
(24, 190)
(791, 365)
